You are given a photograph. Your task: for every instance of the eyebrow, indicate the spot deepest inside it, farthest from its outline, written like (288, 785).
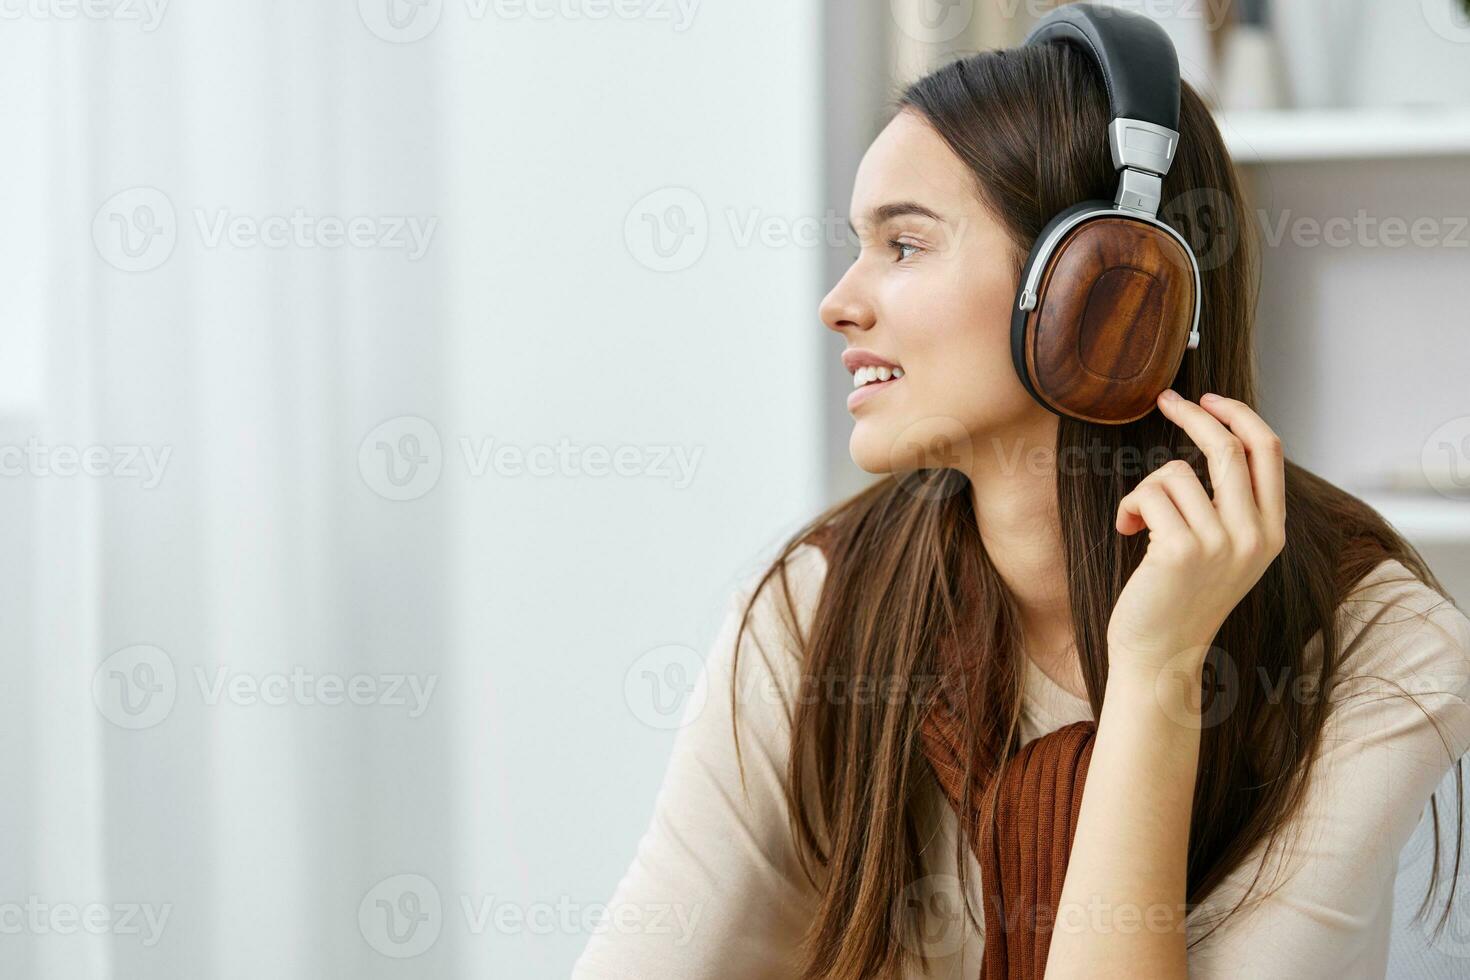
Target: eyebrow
(887, 212)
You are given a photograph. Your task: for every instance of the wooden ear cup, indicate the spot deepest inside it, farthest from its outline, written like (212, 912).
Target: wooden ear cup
(1115, 304)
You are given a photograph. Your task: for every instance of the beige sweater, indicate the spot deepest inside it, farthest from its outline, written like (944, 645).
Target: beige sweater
(714, 890)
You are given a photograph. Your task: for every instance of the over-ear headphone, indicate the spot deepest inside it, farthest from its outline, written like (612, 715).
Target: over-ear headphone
(1109, 296)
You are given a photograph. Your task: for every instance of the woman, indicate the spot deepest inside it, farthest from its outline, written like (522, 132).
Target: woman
(1267, 680)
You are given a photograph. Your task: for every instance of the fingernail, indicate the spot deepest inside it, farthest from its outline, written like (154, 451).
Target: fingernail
(1210, 395)
(1170, 395)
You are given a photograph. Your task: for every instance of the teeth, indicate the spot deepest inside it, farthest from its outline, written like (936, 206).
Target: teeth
(867, 375)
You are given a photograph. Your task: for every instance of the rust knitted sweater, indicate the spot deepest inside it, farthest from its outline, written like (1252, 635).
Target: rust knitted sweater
(1023, 851)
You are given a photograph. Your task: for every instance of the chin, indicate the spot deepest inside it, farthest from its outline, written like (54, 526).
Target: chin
(869, 451)
(924, 442)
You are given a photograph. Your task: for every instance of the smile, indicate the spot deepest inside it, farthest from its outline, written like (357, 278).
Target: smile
(867, 382)
(875, 375)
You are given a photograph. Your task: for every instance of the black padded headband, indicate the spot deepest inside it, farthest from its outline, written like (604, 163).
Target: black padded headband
(1137, 58)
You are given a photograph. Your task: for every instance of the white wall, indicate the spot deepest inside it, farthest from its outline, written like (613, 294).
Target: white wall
(562, 330)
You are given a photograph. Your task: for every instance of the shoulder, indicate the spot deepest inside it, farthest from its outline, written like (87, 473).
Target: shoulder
(783, 603)
(1394, 625)
(1401, 682)
(1391, 583)
(1398, 716)
(753, 671)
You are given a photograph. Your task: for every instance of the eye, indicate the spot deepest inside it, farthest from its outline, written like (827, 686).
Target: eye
(901, 245)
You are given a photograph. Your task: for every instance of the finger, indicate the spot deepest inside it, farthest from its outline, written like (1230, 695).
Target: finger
(1183, 486)
(1229, 473)
(1264, 451)
(1148, 506)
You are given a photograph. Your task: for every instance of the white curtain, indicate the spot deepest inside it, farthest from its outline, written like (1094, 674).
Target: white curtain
(184, 618)
(300, 679)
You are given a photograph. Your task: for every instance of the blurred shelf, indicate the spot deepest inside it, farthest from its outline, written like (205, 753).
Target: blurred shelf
(1423, 516)
(1290, 135)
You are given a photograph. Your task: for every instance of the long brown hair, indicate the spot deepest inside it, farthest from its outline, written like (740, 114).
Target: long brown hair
(907, 572)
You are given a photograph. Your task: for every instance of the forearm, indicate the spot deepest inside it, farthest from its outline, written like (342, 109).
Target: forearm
(1122, 907)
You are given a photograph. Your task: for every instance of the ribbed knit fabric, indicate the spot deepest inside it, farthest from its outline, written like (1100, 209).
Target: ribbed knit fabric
(1023, 852)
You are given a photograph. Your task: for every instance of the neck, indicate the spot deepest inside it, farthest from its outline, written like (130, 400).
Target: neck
(1013, 483)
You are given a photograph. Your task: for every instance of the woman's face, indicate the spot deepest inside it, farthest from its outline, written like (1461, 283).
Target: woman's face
(930, 292)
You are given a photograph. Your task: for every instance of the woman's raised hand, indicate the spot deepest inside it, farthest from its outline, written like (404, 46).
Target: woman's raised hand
(1203, 554)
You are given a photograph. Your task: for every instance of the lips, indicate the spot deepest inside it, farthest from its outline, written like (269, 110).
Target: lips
(870, 374)
(857, 357)
(869, 382)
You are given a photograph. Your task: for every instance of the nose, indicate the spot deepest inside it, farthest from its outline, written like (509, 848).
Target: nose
(845, 308)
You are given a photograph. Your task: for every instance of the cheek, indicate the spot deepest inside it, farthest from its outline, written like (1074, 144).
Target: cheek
(964, 351)
(951, 331)
(955, 343)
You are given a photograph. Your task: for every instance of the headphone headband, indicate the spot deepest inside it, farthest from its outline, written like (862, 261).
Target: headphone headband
(1141, 72)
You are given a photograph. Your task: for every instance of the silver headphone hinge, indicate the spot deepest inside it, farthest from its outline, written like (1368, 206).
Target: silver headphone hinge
(1139, 192)
(1142, 154)
(1142, 145)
